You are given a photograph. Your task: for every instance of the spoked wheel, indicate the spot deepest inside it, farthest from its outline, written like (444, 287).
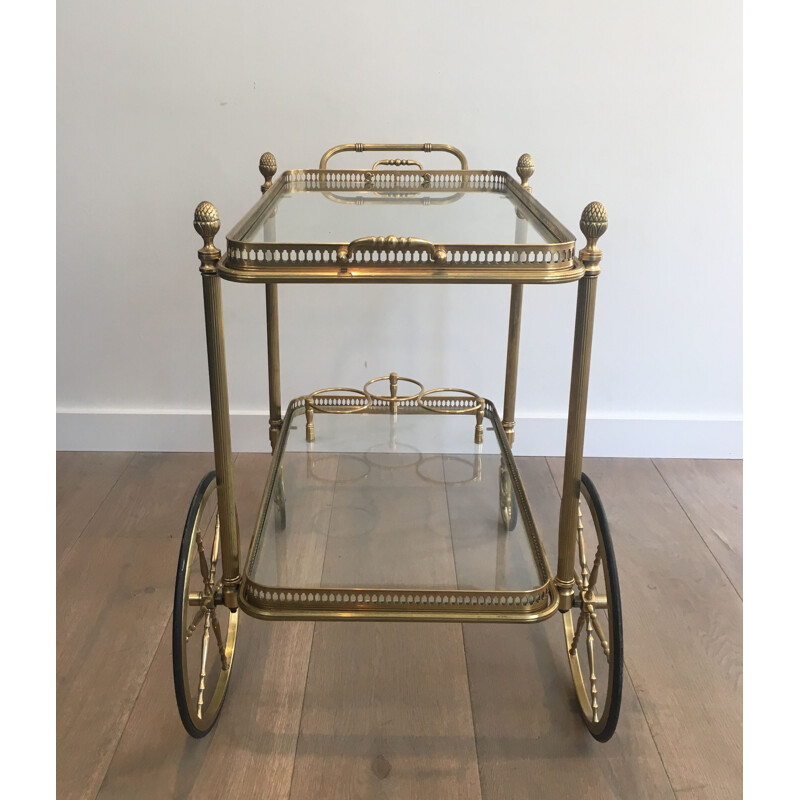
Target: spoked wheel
(203, 628)
(593, 627)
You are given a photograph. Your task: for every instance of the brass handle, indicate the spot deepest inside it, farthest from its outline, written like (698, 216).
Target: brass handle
(396, 162)
(393, 148)
(436, 253)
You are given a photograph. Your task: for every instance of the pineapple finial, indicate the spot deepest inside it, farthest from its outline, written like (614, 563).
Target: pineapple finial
(268, 167)
(206, 223)
(525, 169)
(594, 223)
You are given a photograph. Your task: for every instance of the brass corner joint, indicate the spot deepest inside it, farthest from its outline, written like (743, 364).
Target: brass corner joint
(230, 592)
(565, 591)
(267, 166)
(275, 426)
(206, 223)
(594, 223)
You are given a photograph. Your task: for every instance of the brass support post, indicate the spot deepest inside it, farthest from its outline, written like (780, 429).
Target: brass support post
(309, 420)
(525, 169)
(268, 167)
(273, 364)
(479, 414)
(512, 360)
(393, 378)
(593, 224)
(206, 223)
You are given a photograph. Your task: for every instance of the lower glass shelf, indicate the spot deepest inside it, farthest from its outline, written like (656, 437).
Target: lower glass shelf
(394, 511)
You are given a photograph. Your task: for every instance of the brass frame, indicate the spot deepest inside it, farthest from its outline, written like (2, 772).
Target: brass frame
(390, 259)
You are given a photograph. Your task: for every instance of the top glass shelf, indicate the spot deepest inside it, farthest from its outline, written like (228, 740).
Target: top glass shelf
(397, 226)
(438, 215)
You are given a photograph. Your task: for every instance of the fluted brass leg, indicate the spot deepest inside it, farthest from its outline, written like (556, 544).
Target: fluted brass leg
(207, 224)
(273, 365)
(593, 224)
(512, 361)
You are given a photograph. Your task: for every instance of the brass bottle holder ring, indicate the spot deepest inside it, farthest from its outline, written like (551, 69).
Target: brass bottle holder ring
(316, 402)
(323, 407)
(393, 398)
(457, 407)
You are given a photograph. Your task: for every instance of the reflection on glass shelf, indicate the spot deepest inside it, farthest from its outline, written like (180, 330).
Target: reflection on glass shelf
(470, 218)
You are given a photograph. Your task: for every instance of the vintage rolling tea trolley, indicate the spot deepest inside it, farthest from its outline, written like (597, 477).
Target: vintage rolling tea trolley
(393, 501)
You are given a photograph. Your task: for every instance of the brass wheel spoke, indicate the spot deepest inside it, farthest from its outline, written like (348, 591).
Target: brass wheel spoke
(201, 554)
(194, 623)
(218, 635)
(582, 550)
(599, 631)
(592, 673)
(595, 571)
(203, 659)
(574, 645)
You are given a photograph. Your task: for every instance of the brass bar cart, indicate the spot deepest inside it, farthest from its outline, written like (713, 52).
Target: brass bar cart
(394, 501)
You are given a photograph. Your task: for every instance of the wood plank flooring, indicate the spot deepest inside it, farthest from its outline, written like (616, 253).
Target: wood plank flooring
(404, 710)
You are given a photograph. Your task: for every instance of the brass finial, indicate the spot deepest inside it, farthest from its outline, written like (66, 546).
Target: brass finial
(268, 167)
(525, 169)
(206, 223)
(594, 223)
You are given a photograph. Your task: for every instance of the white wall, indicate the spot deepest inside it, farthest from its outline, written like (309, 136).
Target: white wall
(638, 105)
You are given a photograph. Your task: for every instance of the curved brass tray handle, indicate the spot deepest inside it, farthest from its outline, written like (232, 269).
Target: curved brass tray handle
(393, 148)
(391, 245)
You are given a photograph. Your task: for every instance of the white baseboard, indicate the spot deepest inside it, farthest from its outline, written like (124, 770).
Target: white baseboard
(183, 431)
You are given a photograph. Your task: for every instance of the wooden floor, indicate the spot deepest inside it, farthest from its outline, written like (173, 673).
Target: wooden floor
(413, 710)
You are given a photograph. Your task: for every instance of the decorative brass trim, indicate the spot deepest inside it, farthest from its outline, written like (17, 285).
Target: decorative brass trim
(396, 162)
(436, 605)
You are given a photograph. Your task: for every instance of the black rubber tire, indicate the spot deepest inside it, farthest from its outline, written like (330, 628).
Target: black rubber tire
(177, 612)
(614, 698)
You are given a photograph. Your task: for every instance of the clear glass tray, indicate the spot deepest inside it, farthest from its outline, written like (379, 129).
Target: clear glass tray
(395, 513)
(365, 225)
